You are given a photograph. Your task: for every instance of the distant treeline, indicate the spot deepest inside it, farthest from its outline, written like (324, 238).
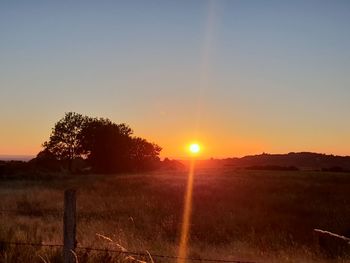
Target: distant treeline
(43, 169)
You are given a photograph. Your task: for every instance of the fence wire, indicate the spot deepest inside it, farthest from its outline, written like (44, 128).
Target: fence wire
(31, 213)
(133, 253)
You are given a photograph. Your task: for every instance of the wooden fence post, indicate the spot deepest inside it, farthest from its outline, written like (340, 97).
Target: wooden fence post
(69, 226)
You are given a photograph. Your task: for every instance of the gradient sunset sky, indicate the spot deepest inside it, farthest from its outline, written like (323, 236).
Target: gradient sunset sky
(241, 77)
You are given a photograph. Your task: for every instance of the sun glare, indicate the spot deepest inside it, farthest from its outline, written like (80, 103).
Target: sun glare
(194, 148)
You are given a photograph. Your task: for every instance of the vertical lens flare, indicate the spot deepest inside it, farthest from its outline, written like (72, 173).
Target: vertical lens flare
(205, 72)
(186, 219)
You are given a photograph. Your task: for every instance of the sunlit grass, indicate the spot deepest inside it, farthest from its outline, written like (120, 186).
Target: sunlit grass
(235, 214)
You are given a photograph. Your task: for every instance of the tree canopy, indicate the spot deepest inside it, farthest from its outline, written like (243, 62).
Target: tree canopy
(106, 146)
(64, 142)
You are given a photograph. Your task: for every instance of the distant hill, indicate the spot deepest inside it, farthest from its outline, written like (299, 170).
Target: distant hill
(301, 160)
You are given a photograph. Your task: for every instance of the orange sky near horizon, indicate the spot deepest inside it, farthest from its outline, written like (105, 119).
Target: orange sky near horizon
(238, 77)
(215, 141)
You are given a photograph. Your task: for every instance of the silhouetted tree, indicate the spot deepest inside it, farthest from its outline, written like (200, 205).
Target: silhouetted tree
(107, 145)
(144, 155)
(46, 160)
(65, 142)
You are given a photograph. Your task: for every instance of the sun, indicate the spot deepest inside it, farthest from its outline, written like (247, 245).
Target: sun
(194, 148)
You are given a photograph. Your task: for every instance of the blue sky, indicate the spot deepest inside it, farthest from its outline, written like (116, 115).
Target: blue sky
(239, 76)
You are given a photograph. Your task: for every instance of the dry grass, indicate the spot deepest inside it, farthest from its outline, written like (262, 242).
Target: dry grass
(251, 215)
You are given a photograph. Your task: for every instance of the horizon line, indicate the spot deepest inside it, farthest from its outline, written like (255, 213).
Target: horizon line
(27, 157)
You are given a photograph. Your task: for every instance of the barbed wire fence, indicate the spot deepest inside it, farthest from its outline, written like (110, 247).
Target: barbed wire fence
(133, 253)
(69, 245)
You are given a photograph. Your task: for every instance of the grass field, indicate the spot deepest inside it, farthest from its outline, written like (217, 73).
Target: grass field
(237, 214)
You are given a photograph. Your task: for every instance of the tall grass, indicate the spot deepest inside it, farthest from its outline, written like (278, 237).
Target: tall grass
(236, 214)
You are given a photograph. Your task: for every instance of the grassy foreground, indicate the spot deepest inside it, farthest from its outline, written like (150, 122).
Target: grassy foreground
(249, 215)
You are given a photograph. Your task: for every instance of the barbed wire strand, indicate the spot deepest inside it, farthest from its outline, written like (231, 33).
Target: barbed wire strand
(29, 244)
(10, 211)
(20, 212)
(134, 253)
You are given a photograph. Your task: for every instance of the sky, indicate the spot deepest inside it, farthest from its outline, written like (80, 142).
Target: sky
(240, 77)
